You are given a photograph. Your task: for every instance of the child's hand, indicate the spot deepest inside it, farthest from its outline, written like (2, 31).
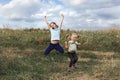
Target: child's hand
(44, 16)
(62, 15)
(78, 45)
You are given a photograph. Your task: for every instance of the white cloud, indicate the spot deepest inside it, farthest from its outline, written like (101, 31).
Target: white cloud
(82, 14)
(29, 9)
(73, 2)
(70, 13)
(20, 10)
(110, 13)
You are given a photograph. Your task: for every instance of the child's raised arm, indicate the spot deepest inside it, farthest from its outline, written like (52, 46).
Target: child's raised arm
(60, 24)
(46, 22)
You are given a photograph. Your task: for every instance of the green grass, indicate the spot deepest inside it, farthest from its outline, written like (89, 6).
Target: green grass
(22, 56)
(33, 65)
(108, 40)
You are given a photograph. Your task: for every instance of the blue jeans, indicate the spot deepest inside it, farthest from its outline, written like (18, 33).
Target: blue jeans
(51, 46)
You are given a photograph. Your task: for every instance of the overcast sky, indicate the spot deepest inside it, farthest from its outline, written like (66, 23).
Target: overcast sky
(79, 14)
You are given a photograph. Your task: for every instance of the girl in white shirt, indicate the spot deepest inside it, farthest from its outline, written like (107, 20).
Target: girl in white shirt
(55, 36)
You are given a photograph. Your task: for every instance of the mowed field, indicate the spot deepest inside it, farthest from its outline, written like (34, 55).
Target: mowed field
(22, 56)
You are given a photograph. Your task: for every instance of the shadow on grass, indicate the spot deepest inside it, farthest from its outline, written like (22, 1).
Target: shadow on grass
(88, 55)
(88, 66)
(116, 56)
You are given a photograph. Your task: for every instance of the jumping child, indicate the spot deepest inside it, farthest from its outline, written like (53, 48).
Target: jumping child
(55, 36)
(72, 46)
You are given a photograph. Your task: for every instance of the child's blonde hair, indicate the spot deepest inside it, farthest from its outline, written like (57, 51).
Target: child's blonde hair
(69, 35)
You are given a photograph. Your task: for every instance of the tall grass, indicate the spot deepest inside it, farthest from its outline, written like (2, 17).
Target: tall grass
(108, 40)
(22, 58)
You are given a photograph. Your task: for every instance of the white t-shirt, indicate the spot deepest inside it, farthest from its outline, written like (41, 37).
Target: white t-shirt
(72, 45)
(55, 34)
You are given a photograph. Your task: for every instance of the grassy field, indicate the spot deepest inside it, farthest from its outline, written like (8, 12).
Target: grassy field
(21, 56)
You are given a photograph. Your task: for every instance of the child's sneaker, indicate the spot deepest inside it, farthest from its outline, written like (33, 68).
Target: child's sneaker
(69, 69)
(75, 67)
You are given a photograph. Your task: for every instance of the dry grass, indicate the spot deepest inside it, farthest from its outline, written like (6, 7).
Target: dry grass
(21, 56)
(55, 68)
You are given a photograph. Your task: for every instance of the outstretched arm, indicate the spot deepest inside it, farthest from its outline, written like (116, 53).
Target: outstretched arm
(60, 24)
(45, 19)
